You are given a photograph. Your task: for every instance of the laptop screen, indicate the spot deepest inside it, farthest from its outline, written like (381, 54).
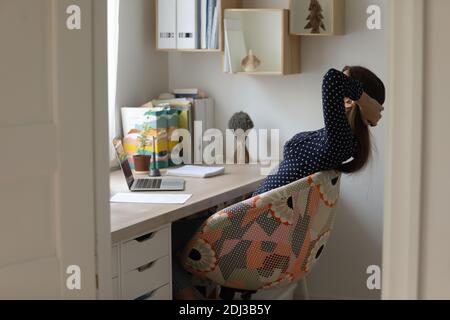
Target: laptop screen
(124, 164)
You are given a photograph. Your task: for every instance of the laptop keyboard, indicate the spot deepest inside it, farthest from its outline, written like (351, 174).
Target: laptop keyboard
(148, 184)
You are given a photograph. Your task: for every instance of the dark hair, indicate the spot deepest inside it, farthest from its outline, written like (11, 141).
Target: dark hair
(375, 88)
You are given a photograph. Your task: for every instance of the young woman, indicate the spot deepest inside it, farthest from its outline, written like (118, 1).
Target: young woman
(352, 101)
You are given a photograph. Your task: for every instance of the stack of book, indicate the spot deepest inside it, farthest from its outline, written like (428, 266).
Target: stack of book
(188, 94)
(190, 106)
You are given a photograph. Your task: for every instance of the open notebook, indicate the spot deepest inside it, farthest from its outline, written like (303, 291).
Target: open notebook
(196, 171)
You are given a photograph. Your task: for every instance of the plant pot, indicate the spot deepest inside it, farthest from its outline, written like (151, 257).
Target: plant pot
(142, 163)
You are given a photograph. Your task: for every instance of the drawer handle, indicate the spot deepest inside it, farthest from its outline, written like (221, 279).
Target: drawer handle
(146, 267)
(145, 237)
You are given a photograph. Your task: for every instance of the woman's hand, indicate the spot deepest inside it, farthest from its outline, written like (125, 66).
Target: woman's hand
(370, 110)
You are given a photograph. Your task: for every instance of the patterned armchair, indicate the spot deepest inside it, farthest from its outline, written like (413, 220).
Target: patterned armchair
(267, 241)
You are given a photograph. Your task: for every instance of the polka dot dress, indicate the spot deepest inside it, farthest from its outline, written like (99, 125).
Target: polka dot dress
(311, 152)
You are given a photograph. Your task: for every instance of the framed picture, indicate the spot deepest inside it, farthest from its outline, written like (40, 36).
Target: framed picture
(317, 17)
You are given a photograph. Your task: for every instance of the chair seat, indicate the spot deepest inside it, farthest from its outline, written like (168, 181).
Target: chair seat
(269, 240)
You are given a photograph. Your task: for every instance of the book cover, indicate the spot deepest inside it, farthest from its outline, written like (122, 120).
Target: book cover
(187, 96)
(133, 119)
(167, 27)
(187, 24)
(215, 29)
(211, 7)
(204, 22)
(186, 91)
(186, 121)
(203, 110)
(172, 102)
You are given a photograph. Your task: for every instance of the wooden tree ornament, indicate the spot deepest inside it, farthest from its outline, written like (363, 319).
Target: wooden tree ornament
(315, 17)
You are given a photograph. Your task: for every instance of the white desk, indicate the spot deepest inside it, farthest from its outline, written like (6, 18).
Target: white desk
(141, 232)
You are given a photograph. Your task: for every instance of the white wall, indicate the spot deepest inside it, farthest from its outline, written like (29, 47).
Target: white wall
(293, 104)
(142, 71)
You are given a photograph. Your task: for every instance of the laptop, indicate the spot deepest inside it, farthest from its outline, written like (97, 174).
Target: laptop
(137, 185)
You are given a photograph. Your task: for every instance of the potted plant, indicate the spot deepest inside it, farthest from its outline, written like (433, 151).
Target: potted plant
(241, 121)
(142, 159)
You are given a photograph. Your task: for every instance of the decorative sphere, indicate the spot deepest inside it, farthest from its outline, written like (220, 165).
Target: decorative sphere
(241, 120)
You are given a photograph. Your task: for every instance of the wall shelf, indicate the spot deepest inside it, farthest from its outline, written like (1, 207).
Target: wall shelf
(259, 73)
(192, 50)
(266, 33)
(317, 17)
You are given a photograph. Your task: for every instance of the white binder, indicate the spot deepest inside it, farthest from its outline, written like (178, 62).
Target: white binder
(204, 24)
(188, 24)
(167, 24)
(204, 112)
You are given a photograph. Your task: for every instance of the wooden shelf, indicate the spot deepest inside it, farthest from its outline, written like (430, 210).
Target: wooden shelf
(266, 33)
(226, 4)
(258, 73)
(333, 13)
(192, 50)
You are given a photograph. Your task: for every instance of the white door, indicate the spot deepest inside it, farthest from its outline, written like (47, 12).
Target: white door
(416, 258)
(47, 220)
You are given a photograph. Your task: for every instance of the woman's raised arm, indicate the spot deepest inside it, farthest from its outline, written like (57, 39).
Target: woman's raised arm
(337, 86)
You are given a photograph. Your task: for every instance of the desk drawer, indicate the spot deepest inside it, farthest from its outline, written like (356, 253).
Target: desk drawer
(142, 250)
(146, 279)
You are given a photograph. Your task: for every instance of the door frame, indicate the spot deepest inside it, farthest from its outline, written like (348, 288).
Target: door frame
(101, 152)
(402, 208)
(403, 175)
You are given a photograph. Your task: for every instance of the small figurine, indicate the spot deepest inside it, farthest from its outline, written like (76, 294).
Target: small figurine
(250, 63)
(315, 18)
(241, 120)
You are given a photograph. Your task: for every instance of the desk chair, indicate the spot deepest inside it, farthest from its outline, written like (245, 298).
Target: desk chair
(267, 241)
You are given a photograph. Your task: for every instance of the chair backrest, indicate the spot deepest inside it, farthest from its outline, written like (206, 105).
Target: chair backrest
(269, 240)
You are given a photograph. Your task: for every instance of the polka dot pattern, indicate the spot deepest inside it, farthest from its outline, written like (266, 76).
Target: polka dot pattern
(311, 152)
